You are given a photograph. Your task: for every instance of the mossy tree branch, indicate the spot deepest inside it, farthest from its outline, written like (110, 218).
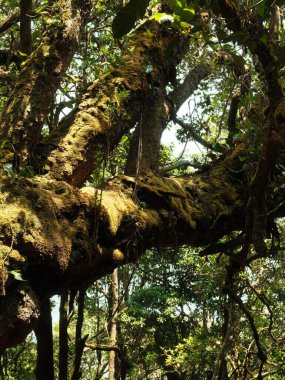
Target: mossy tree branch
(114, 103)
(26, 110)
(165, 212)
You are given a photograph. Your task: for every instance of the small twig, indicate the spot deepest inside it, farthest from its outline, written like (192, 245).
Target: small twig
(103, 347)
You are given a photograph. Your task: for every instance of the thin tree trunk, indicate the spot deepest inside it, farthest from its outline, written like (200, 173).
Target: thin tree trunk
(26, 26)
(63, 337)
(220, 370)
(145, 144)
(43, 331)
(79, 341)
(114, 304)
(124, 279)
(123, 359)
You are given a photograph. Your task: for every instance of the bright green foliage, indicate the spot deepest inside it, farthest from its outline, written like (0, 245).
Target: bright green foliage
(19, 362)
(181, 9)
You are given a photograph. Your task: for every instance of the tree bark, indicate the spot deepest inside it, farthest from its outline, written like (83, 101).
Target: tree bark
(145, 144)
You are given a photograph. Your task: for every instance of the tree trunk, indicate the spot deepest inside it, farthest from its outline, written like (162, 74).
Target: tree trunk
(63, 337)
(145, 144)
(25, 26)
(43, 331)
(113, 315)
(79, 341)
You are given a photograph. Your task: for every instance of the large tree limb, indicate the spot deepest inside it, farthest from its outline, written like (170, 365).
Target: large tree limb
(60, 237)
(160, 109)
(48, 229)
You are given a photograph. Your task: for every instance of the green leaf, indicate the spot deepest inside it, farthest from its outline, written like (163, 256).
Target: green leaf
(264, 38)
(41, 9)
(163, 17)
(17, 275)
(261, 10)
(22, 54)
(176, 6)
(2, 146)
(191, 10)
(185, 13)
(9, 170)
(127, 17)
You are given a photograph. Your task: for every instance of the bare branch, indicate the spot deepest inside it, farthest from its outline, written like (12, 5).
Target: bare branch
(9, 22)
(193, 133)
(190, 84)
(180, 164)
(98, 347)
